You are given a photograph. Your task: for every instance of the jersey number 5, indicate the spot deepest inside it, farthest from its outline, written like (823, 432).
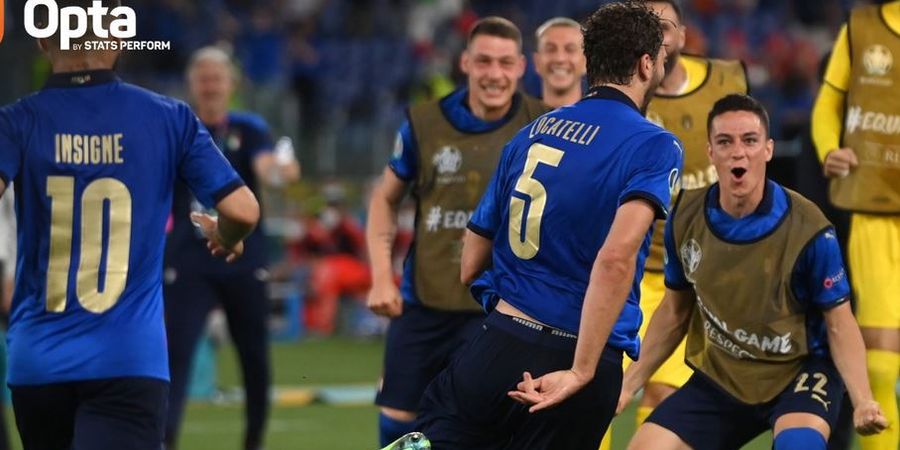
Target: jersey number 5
(526, 245)
(102, 198)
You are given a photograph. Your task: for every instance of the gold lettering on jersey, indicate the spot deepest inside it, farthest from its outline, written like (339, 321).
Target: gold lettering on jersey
(89, 149)
(569, 130)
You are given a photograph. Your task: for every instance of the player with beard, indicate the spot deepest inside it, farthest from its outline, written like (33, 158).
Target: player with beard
(559, 60)
(445, 152)
(565, 224)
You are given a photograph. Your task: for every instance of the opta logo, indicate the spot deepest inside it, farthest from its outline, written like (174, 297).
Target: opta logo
(72, 21)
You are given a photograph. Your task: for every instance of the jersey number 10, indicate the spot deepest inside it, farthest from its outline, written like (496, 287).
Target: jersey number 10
(101, 198)
(527, 246)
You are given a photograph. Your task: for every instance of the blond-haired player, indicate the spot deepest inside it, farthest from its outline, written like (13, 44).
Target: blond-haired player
(560, 61)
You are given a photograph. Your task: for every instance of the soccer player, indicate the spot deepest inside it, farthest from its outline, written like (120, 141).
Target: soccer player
(195, 282)
(559, 60)
(94, 162)
(691, 85)
(754, 277)
(566, 224)
(445, 152)
(856, 130)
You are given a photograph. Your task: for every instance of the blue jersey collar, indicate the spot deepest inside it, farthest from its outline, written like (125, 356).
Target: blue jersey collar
(80, 79)
(455, 107)
(765, 205)
(611, 93)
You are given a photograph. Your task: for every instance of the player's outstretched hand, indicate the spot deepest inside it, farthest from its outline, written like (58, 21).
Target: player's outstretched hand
(384, 299)
(548, 390)
(209, 226)
(838, 162)
(868, 418)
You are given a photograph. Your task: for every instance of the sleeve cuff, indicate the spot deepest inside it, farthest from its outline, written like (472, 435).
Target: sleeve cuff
(483, 232)
(841, 90)
(226, 190)
(401, 176)
(677, 287)
(837, 303)
(659, 210)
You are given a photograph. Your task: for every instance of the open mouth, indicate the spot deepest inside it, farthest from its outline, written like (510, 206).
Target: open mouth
(738, 172)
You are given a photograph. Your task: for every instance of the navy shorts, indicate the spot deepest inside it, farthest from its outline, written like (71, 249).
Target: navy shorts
(108, 414)
(467, 407)
(706, 417)
(419, 344)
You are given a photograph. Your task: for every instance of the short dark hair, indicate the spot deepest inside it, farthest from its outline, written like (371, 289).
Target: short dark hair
(497, 27)
(738, 102)
(676, 6)
(616, 37)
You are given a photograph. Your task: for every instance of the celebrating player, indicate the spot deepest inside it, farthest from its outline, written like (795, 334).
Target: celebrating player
(686, 94)
(566, 222)
(559, 60)
(446, 151)
(856, 130)
(755, 279)
(94, 161)
(194, 282)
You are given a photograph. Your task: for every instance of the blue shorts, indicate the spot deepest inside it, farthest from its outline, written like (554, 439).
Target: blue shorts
(419, 344)
(707, 418)
(467, 407)
(107, 414)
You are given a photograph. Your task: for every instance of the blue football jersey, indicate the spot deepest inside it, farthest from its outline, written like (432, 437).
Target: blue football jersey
(94, 161)
(553, 199)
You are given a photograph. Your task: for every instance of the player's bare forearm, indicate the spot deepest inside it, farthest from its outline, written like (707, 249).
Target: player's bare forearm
(476, 256)
(381, 226)
(610, 283)
(667, 328)
(848, 352)
(611, 280)
(2, 188)
(238, 216)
